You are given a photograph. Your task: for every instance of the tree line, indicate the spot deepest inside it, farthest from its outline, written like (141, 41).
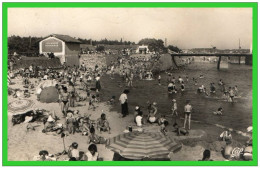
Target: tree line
(26, 45)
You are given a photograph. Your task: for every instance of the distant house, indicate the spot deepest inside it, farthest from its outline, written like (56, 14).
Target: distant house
(143, 49)
(66, 48)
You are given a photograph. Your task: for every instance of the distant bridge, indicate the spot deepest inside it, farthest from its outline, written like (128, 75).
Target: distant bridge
(219, 55)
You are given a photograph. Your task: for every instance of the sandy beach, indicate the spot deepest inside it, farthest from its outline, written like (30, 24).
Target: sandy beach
(23, 145)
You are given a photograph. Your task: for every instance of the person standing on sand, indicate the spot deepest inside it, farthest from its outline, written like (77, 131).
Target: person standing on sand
(187, 112)
(98, 85)
(123, 101)
(130, 80)
(64, 101)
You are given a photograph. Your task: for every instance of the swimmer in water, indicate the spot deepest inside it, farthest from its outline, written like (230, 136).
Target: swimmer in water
(182, 87)
(212, 88)
(173, 80)
(220, 82)
(180, 79)
(236, 90)
(219, 111)
(231, 94)
(195, 81)
(159, 79)
(170, 87)
(201, 89)
(205, 91)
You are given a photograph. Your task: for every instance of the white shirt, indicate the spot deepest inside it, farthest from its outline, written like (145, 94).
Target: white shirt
(138, 120)
(45, 77)
(170, 85)
(75, 153)
(123, 98)
(91, 157)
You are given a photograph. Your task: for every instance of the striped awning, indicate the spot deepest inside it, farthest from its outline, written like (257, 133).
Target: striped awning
(140, 145)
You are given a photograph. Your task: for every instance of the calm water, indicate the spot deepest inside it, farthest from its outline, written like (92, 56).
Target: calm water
(236, 115)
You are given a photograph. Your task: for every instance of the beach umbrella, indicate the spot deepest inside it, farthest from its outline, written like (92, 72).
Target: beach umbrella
(20, 106)
(141, 145)
(49, 95)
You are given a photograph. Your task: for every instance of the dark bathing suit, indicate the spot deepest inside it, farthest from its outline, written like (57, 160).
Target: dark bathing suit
(187, 113)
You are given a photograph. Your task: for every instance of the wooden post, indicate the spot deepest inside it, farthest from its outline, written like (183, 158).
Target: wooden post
(219, 59)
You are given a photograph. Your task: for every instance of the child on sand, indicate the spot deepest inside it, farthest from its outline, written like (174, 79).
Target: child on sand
(103, 124)
(91, 154)
(226, 136)
(73, 151)
(92, 100)
(112, 100)
(139, 119)
(163, 127)
(179, 130)
(161, 120)
(71, 122)
(152, 113)
(94, 138)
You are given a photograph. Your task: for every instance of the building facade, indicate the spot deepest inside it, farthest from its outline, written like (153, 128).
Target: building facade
(66, 48)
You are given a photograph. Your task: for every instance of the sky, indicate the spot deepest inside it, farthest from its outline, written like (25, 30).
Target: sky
(182, 27)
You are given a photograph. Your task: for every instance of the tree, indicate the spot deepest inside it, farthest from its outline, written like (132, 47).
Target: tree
(153, 44)
(174, 48)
